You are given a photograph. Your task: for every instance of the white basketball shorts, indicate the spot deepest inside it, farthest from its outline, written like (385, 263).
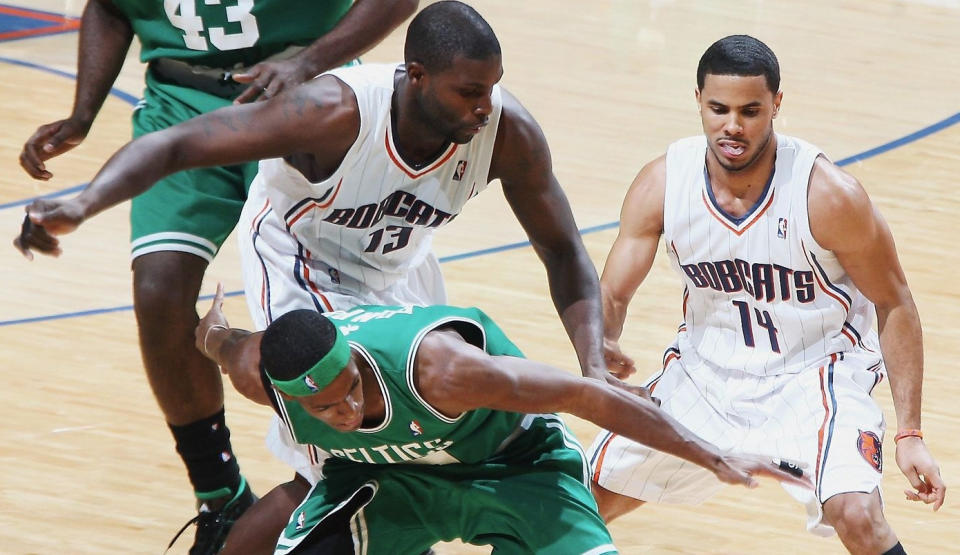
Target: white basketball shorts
(823, 418)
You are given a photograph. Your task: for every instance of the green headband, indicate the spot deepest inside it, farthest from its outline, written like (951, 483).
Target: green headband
(320, 374)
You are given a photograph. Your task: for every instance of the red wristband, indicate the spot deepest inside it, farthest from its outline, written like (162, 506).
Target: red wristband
(907, 433)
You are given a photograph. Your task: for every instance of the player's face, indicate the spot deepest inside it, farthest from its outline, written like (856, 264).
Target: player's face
(340, 404)
(457, 101)
(737, 113)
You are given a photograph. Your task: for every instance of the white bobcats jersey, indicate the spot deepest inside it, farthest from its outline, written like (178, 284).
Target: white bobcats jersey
(760, 295)
(371, 222)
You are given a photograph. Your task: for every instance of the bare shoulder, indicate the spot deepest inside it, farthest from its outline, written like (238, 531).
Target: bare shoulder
(325, 96)
(840, 209)
(444, 372)
(643, 204)
(514, 116)
(520, 145)
(328, 111)
(651, 181)
(436, 355)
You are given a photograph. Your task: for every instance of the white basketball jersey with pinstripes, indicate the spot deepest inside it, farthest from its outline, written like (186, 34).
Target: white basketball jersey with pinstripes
(760, 295)
(372, 221)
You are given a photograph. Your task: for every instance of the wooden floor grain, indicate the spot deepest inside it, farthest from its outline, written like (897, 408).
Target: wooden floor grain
(86, 464)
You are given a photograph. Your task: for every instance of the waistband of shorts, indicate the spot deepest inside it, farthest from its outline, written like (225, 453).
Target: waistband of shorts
(217, 81)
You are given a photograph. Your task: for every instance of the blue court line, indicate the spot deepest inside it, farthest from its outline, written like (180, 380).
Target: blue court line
(511, 246)
(124, 96)
(896, 143)
(43, 27)
(451, 258)
(94, 311)
(55, 194)
(45, 12)
(38, 35)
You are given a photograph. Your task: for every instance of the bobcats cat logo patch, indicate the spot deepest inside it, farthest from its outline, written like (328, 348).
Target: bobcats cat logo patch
(869, 445)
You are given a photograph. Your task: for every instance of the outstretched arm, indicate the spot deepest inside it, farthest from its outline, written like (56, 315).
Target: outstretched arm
(632, 254)
(843, 220)
(320, 118)
(456, 377)
(364, 25)
(105, 37)
(522, 162)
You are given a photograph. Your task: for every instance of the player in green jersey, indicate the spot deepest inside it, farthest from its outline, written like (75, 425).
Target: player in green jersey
(437, 429)
(200, 56)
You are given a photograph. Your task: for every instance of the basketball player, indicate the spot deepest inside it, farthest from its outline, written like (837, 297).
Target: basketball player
(437, 430)
(374, 160)
(192, 49)
(369, 162)
(784, 261)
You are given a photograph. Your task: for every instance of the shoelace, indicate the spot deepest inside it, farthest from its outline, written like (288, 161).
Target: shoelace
(202, 520)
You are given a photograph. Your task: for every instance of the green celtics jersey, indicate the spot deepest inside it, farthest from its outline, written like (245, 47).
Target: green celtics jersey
(412, 431)
(222, 33)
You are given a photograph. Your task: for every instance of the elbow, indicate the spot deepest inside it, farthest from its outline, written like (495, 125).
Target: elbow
(174, 154)
(903, 303)
(402, 9)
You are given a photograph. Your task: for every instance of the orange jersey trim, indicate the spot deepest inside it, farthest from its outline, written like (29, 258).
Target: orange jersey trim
(738, 231)
(397, 161)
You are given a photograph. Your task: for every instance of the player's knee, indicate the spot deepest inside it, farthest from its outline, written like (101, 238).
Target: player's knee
(165, 287)
(859, 519)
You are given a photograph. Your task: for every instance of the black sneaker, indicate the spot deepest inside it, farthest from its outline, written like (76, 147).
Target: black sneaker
(214, 525)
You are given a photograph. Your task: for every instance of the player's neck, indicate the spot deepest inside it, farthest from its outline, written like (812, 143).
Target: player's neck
(417, 142)
(745, 184)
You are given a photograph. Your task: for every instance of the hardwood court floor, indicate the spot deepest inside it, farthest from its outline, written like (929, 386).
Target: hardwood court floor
(86, 465)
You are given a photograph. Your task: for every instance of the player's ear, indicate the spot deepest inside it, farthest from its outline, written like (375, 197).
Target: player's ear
(415, 72)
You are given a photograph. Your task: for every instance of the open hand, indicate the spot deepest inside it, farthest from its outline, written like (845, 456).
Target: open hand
(52, 139)
(922, 471)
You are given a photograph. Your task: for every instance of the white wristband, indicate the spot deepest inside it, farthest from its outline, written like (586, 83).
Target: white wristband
(206, 336)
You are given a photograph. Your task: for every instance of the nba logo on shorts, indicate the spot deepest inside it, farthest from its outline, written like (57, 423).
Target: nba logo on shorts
(782, 228)
(461, 168)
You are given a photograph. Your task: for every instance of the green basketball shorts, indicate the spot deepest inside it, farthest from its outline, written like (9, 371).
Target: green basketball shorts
(531, 497)
(191, 211)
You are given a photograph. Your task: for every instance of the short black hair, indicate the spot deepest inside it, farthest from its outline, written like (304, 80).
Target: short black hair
(740, 55)
(444, 30)
(294, 342)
